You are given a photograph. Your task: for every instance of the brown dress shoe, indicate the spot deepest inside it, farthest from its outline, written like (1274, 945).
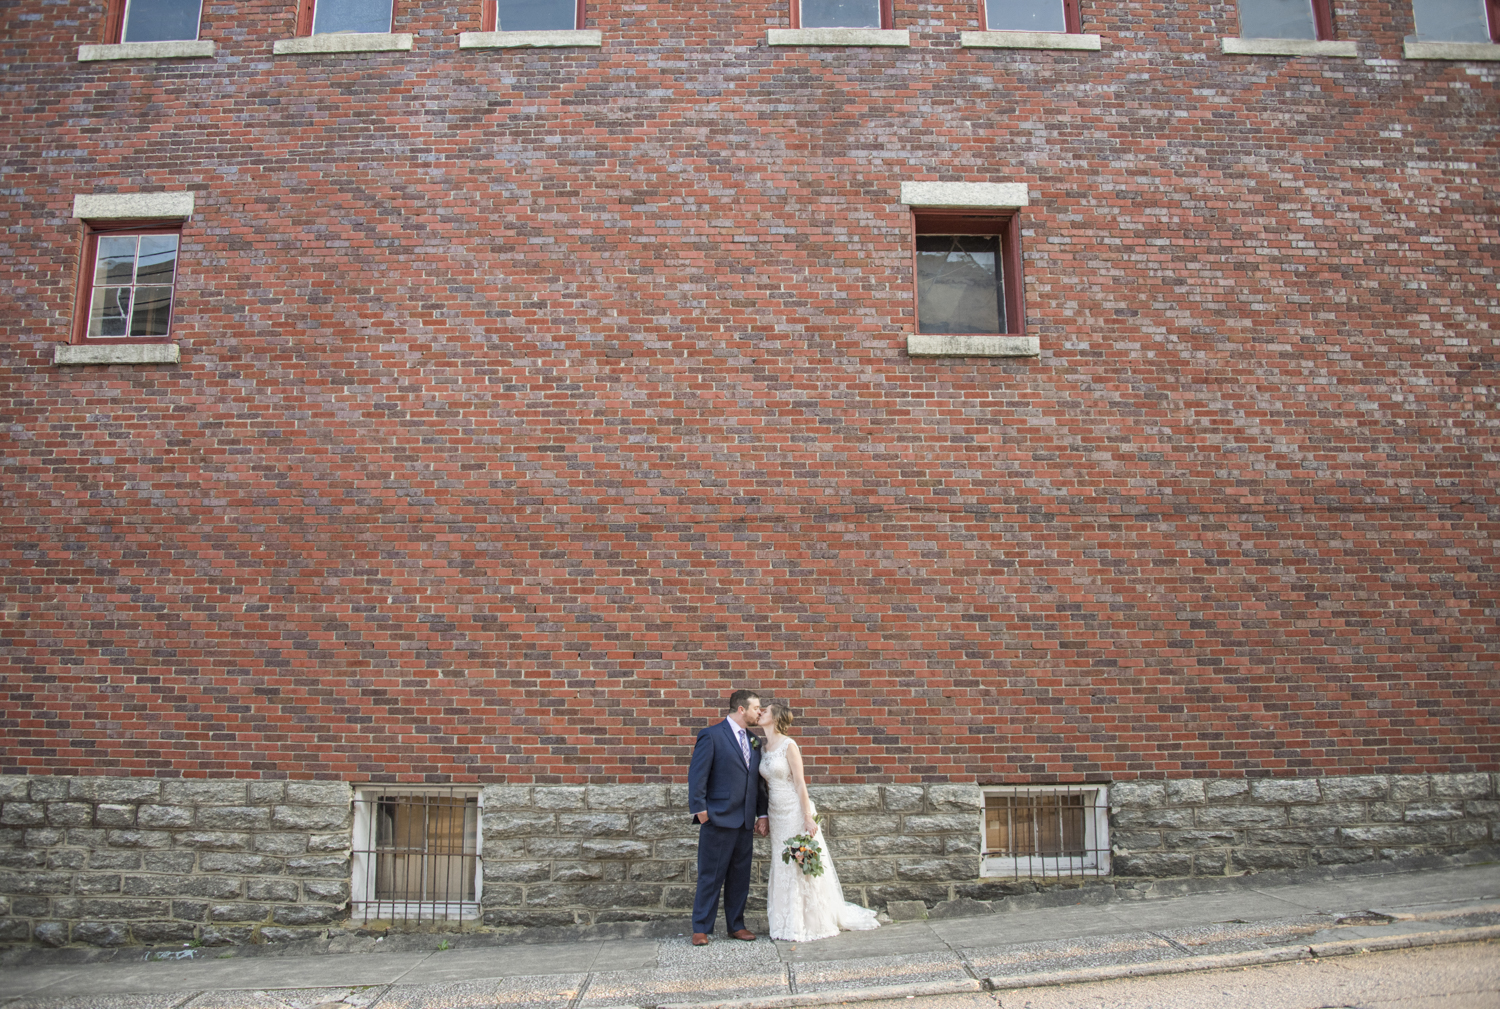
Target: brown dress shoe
(699, 939)
(744, 935)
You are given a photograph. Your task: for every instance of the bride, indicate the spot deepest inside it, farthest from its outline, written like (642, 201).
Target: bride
(800, 907)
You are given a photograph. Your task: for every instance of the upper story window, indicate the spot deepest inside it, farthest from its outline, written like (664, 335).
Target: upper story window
(1286, 19)
(154, 21)
(967, 274)
(327, 17)
(1032, 16)
(842, 14)
(1456, 20)
(533, 15)
(133, 271)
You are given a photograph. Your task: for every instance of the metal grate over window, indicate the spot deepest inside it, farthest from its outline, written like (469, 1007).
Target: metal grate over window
(1046, 831)
(416, 854)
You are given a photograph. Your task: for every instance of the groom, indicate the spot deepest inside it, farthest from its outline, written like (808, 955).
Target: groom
(727, 796)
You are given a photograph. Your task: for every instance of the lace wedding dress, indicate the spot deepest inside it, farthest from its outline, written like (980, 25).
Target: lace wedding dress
(802, 907)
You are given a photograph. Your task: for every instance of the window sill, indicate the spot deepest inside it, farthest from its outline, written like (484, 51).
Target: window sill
(116, 353)
(838, 37)
(969, 345)
(1452, 51)
(1028, 40)
(183, 48)
(530, 40)
(344, 42)
(1287, 47)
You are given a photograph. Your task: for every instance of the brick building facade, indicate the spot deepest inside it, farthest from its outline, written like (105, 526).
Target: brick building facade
(519, 402)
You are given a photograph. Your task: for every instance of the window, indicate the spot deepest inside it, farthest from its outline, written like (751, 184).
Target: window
(416, 854)
(532, 15)
(1046, 830)
(968, 275)
(130, 272)
(1456, 20)
(1032, 16)
(842, 14)
(153, 20)
(1286, 19)
(329, 17)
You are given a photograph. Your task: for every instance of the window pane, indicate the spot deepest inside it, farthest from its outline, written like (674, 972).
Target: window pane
(158, 259)
(109, 311)
(352, 16)
(840, 13)
(959, 284)
(153, 311)
(116, 262)
(1451, 21)
(1025, 16)
(535, 15)
(1277, 19)
(161, 20)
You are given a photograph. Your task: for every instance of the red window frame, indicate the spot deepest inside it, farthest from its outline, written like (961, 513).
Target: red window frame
(306, 8)
(887, 14)
(113, 31)
(959, 221)
(489, 16)
(1323, 19)
(1072, 16)
(83, 301)
(1492, 7)
(114, 22)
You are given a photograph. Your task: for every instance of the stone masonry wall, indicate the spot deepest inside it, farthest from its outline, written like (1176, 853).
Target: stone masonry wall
(110, 861)
(563, 855)
(1229, 826)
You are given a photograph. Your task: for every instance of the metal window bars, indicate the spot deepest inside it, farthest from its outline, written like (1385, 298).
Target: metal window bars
(416, 854)
(1033, 832)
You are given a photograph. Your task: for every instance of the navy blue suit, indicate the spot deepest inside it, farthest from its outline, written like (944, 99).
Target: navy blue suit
(734, 796)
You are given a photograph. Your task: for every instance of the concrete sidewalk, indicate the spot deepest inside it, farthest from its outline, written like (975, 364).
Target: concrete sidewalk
(1239, 923)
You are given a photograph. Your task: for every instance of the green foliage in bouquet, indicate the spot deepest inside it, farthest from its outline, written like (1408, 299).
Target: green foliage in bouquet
(805, 851)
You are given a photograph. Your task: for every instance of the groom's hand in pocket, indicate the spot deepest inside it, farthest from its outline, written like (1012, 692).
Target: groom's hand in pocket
(703, 816)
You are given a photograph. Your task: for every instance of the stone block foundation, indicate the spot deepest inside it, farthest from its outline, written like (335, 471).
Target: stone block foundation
(110, 861)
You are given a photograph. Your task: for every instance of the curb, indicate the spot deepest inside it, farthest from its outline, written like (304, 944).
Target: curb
(1183, 965)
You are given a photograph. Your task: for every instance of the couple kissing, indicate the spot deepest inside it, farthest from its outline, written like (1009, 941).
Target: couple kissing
(740, 786)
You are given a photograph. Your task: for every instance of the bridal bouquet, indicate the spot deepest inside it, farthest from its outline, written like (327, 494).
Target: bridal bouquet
(805, 851)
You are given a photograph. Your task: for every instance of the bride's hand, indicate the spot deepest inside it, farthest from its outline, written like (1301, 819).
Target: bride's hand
(811, 825)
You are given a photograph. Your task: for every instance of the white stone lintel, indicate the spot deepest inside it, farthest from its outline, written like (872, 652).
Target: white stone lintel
(344, 42)
(965, 194)
(838, 37)
(1029, 40)
(1452, 50)
(116, 353)
(1288, 47)
(178, 49)
(531, 40)
(972, 345)
(128, 206)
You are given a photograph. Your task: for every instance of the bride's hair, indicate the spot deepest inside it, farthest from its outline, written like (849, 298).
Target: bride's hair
(782, 714)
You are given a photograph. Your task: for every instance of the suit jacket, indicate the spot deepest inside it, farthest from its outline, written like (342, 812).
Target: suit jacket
(719, 781)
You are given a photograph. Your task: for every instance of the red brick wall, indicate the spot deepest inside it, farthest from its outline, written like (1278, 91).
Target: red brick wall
(531, 401)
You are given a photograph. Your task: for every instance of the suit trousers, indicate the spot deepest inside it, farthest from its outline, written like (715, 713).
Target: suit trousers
(724, 857)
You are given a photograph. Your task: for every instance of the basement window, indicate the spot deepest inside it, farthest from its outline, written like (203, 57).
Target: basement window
(1045, 831)
(1060, 16)
(1286, 19)
(416, 854)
